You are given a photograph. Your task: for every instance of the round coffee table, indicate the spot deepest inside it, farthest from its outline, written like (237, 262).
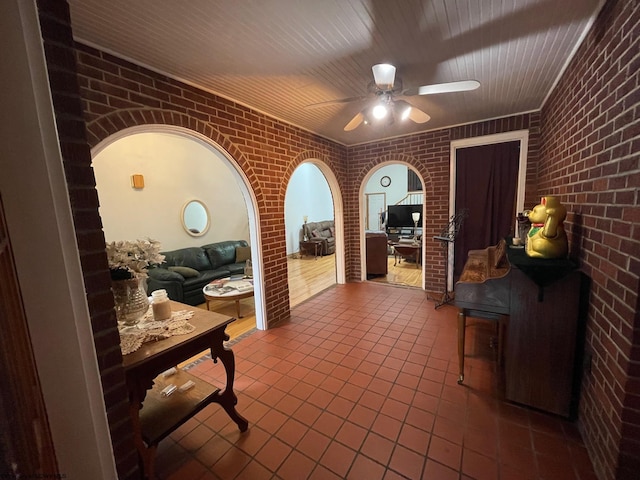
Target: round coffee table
(230, 290)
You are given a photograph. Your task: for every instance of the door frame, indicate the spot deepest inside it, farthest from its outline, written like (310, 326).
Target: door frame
(517, 135)
(367, 202)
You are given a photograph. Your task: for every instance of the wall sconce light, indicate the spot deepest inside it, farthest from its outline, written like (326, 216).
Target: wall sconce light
(137, 181)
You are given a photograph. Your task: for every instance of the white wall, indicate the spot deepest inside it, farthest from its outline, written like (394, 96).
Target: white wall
(397, 190)
(176, 169)
(308, 194)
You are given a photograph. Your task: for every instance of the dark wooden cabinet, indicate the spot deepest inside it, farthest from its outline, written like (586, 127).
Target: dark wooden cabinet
(541, 341)
(376, 245)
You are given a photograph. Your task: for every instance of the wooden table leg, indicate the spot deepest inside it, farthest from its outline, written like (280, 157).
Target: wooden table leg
(238, 308)
(462, 320)
(228, 399)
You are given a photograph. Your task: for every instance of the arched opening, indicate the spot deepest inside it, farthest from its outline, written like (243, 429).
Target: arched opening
(314, 241)
(392, 222)
(178, 166)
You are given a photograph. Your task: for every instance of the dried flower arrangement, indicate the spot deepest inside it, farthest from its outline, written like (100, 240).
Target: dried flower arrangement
(129, 259)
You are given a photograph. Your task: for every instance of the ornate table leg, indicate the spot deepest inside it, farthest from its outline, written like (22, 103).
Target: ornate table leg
(462, 320)
(137, 394)
(227, 399)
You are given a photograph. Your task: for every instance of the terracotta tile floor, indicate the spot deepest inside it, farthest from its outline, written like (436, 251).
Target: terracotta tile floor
(361, 384)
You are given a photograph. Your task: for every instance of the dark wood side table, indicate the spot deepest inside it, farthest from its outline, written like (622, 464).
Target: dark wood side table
(406, 250)
(310, 246)
(154, 416)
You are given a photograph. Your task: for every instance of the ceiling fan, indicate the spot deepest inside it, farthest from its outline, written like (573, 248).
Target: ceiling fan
(385, 88)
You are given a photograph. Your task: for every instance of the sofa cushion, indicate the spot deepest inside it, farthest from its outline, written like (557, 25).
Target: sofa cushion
(192, 257)
(165, 275)
(205, 277)
(235, 268)
(186, 272)
(243, 254)
(222, 253)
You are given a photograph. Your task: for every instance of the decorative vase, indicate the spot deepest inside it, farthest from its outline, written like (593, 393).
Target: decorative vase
(131, 299)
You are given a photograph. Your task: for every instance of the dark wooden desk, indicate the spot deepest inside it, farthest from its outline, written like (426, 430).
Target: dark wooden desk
(144, 365)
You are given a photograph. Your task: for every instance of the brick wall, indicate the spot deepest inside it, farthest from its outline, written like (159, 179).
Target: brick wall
(429, 154)
(589, 157)
(117, 94)
(76, 157)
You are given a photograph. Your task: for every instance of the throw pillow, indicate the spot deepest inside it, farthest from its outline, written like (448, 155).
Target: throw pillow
(186, 272)
(332, 231)
(315, 233)
(243, 254)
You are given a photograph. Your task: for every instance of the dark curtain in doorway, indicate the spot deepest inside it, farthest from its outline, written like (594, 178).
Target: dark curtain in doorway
(486, 185)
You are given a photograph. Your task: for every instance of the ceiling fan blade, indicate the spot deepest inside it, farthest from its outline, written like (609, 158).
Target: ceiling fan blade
(450, 87)
(384, 75)
(418, 115)
(415, 114)
(338, 101)
(354, 123)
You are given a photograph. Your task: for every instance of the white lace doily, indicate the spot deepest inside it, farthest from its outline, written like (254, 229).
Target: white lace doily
(132, 337)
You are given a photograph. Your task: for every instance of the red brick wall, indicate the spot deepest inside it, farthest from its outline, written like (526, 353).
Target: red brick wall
(429, 153)
(589, 157)
(117, 94)
(76, 157)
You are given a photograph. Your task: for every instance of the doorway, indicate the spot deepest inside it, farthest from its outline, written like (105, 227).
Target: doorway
(393, 187)
(178, 166)
(492, 188)
(309, 199)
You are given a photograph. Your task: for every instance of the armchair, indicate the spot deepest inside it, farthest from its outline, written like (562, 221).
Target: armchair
(323, 233)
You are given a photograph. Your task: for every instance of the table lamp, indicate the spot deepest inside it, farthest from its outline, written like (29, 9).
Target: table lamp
(416, 219)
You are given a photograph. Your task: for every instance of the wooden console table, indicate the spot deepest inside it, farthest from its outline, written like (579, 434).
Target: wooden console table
(154, 416)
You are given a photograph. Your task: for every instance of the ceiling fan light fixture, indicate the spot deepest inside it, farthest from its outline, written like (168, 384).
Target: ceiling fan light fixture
(379, 111)
(384, 75)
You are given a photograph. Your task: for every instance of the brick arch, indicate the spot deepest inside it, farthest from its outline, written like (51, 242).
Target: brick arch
(336, 188)
(275, 308)
(397, 158)
(114, 122)
(299, 160)
(432, 276)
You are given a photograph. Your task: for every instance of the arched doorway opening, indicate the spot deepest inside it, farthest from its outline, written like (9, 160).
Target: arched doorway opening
(312, 198)
(178, 165)
(392, 212)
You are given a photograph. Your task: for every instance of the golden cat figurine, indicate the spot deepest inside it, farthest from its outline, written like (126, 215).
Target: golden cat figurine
(547, 238)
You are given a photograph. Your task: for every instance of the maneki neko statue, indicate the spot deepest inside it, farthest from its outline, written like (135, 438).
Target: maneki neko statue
(547, 238)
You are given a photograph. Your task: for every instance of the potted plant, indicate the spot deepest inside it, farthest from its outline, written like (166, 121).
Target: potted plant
(128, 264)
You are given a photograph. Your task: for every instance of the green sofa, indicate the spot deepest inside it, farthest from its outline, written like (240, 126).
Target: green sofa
(186, 271)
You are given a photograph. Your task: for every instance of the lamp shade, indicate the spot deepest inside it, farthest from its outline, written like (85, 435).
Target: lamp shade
(384, 75)
(415, 216)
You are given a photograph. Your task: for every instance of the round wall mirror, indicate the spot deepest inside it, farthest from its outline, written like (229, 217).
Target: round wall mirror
(195, 218)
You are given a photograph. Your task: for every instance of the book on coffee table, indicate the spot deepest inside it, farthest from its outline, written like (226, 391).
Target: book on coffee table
(241, 285)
